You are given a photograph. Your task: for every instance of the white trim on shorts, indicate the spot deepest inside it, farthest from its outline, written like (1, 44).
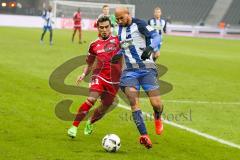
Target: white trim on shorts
(105, 79)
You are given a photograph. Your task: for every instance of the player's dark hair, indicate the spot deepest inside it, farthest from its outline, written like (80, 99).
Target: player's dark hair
(104, 6)
(103, 19)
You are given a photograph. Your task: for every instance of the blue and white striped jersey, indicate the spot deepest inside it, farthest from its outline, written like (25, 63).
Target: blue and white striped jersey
(48, 18)
(159, 24)
(133, 39)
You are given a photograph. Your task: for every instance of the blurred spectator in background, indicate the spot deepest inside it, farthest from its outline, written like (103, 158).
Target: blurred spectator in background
(106, 12)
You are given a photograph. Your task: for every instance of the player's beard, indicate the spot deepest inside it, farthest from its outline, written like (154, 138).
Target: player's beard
(128, 23)
(105, 36)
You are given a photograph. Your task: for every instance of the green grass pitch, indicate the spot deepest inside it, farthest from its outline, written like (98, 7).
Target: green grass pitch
(199, 70)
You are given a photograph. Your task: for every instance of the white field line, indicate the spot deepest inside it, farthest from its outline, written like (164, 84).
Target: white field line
(196, 102)
(207, 136)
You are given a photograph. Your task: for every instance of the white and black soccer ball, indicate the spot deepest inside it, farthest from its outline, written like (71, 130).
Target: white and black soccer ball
(111, 143)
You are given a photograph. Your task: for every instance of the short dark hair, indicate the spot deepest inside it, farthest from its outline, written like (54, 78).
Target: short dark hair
(104, 6)
(103, 19)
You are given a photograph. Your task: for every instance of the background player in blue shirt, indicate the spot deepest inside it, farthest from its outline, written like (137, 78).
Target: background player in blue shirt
(139, 42)
(48, 21)
(158, 23)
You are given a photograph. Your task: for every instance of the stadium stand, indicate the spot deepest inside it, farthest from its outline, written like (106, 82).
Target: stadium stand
(188, 12)
(100, 1)
(180, 11)
(87, 12)
(103, 1)
(233, 14)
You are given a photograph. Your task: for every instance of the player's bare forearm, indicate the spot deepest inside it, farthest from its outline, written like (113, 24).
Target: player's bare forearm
(156, 55)
(86, 71)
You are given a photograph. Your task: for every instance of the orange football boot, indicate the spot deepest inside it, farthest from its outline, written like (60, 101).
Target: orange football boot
(145, 140)
(158, 125)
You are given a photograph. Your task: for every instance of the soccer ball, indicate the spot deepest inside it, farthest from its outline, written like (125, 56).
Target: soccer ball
(111, 143)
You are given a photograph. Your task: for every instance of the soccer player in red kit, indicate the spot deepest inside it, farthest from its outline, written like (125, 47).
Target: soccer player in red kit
(77, 25)
(105, 77)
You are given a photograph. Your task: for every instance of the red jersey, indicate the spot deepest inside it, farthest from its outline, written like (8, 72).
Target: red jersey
(103, 51)
(77, 19)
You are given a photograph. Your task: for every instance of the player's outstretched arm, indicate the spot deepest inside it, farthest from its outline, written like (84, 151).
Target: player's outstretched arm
(86, 71)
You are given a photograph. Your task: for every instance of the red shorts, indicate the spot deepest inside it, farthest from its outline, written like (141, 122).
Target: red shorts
(77, 28)
(106, 90)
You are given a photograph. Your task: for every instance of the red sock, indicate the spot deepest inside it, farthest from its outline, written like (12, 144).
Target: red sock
(82, 112)
(96, 115)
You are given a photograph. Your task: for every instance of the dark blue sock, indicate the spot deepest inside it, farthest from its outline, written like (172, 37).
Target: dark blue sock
(157, 114)
(138, 119)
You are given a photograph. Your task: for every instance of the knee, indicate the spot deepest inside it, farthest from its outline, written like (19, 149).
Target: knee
(92, 99)
(132, 100)
(156, 103)
(134, 104)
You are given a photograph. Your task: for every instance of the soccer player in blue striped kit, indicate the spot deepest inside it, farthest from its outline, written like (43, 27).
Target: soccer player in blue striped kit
(158, 23)
(48, 21)
(139, 42)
